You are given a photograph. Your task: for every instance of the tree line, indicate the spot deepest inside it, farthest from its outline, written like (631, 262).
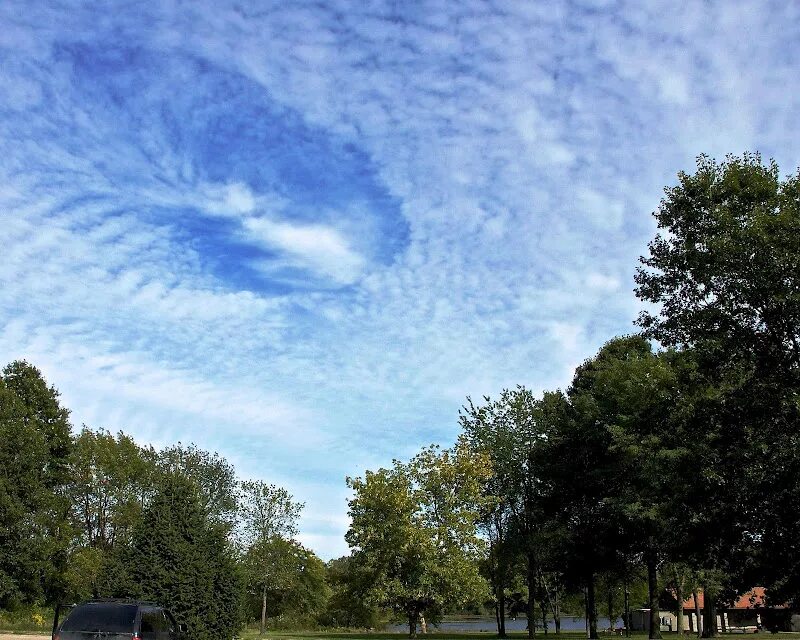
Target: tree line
(94, 514)
(670, 465)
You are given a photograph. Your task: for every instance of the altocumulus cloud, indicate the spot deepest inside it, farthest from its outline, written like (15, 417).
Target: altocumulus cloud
(301, 234)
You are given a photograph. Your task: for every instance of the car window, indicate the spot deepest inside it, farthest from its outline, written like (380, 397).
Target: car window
(101, 616)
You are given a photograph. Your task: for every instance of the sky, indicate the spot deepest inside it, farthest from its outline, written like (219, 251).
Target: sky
(300, 234)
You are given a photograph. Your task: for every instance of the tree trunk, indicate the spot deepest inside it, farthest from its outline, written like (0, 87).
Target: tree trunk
(263, 610)
(591, 608)
(412, 624)
(709, 616)
(652, 592)
(543, 609)
(531, 613)
(627, 614)
(697, 614)
(679, 598)
(557, 610)
(501, 606)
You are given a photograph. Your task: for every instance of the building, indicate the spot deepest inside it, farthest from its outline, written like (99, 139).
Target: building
(749, 613)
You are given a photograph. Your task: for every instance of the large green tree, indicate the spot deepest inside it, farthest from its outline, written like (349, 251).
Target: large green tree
(348, 605)
(414, 531)
(111, 479)
(178, 557)
(577, 476)
(273, 559)
(286, 579)
(724, 274)
(23, 495)
(627, 392)
(35, 447)
(511, 432)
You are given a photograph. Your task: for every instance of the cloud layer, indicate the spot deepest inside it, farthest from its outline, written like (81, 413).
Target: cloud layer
(302, 235)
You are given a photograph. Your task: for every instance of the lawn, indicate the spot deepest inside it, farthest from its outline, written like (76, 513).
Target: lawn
(252, 634)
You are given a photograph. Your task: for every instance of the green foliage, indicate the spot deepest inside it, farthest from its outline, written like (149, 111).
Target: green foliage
(512, 433)
(281, 574)
(727, 270)
(726, 274)
(178, 558)
(84, 573)
(267, 511)
(112, 478)
(287, 578)
(213, 476)
(347, 604)
(413, 532)
(34, 446)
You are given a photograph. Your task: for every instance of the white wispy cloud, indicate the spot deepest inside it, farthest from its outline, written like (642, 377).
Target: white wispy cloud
(321, 248)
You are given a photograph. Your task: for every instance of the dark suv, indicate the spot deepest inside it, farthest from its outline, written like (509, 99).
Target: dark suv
(118, 620)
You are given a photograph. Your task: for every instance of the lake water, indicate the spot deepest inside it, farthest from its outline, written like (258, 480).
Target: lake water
(489, 625)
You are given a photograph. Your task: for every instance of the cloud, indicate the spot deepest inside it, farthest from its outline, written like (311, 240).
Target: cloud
(301, 234)
(320, 248)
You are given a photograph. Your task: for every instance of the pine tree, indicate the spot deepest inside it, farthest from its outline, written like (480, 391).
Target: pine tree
(179, 559)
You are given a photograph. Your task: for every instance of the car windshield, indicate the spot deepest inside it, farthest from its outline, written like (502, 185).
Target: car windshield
(105, 617)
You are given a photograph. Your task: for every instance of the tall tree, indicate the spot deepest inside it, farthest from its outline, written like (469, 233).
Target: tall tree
(510, 432)
(111, 479)
(414, 530)
(577, 477)
(628, 391)
(488, 430)
(23, 496)
(268, 523)
(179, 558)
(725, 274)
(38, 410)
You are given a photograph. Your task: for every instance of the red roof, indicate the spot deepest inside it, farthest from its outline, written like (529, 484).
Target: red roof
(751, 599)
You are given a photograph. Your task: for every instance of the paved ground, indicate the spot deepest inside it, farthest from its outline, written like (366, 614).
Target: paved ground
(27, 636)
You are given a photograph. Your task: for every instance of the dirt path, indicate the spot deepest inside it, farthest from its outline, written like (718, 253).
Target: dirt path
(24, 636)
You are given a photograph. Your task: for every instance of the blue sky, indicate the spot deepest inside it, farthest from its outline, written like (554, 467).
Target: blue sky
(300, 234)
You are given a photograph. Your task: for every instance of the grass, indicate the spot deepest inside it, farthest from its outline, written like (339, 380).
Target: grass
(252, 634)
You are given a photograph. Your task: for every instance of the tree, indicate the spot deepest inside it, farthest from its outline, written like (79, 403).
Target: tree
(36, 448)
(488, 430)
(628, 391)
(577, 476)
(23, 495)
(725, 273)
(111, 480)
(348, 605)
(268, 523)
(510, 432)
(288, 576)
(182, 560)
(213, 475)
(267, 511)
(413, 529)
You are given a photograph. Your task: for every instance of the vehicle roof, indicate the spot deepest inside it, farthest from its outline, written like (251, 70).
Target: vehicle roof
(129, 601)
